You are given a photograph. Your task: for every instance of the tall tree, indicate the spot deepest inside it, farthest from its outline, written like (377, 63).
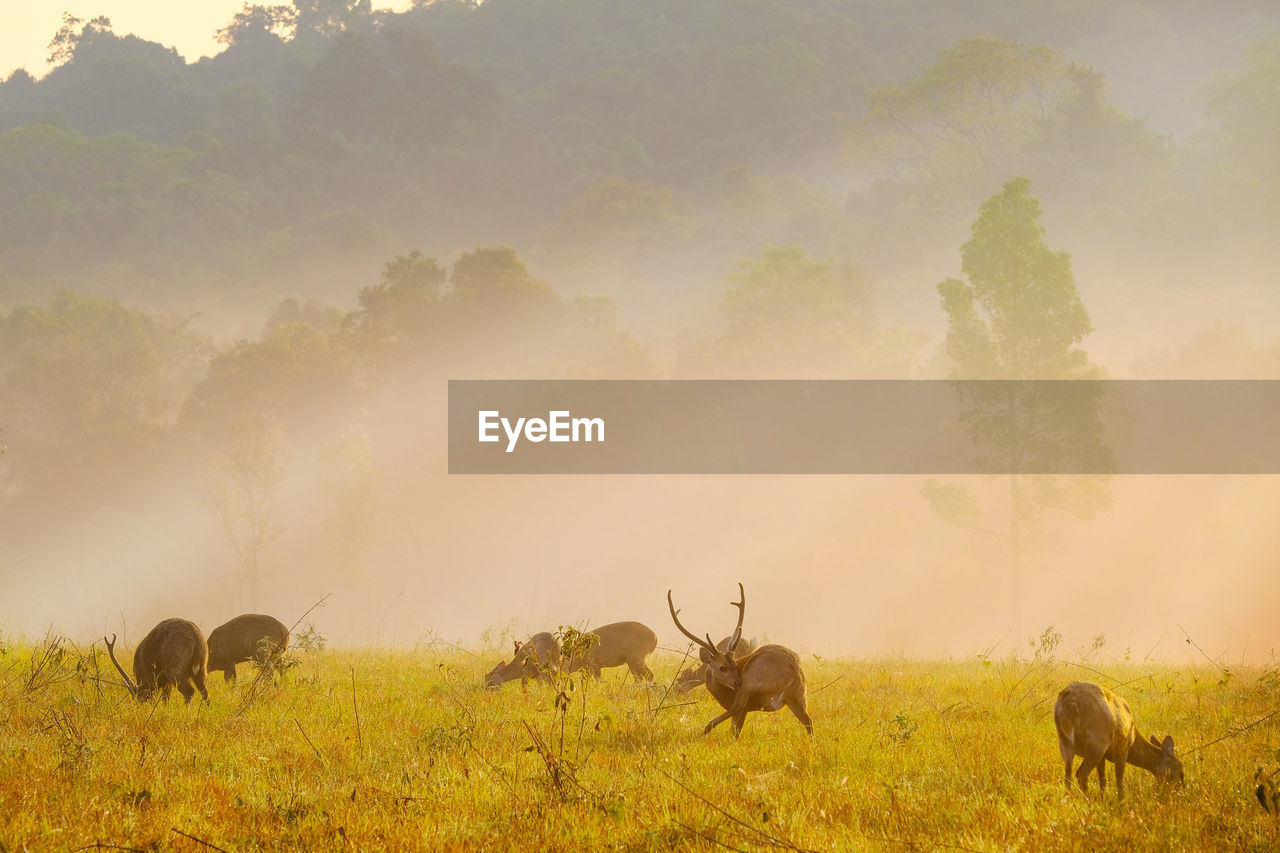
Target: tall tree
(1018, 317)
(243, 496)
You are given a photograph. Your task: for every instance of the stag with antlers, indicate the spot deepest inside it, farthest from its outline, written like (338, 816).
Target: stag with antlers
(173, 654)
(765, 680)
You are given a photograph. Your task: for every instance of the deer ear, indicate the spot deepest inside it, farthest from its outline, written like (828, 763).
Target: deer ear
(704, 655)
(1155, 741)
(1167, 746)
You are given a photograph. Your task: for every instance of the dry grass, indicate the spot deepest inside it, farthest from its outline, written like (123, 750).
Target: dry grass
(366, 750)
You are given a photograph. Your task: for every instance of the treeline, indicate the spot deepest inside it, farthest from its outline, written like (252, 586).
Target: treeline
(102, 396)
(678, 188)
(104, 399)
(632, 150)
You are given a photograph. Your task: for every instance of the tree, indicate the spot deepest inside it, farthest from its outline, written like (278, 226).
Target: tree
(965, 116)
(325, 19)
(90, 388)
(67, 40)
(487, 317)
(497, 278)
(296, 372)
(1019, 316)
(401, 315)
(789, 315)
(257, 23)
(242, 497)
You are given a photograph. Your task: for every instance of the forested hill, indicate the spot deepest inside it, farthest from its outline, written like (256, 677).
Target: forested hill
(633, 149)
(232, 291)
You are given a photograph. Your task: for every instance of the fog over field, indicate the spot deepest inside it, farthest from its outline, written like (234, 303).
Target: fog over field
(232, 292)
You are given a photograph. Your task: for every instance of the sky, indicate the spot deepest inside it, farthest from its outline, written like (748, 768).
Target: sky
(27, 26)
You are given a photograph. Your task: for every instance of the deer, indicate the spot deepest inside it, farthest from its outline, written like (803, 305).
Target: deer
(251, 636)
(692, 677)
(531, 659)
(618, 643)
(768, 679)
(173, 654)
(1097, 725)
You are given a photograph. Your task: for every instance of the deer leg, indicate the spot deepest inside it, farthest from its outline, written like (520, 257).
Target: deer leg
(717, 721)
(229, 674)
(798, 708)
(1088, 763)
(739, 720)
(1120, 762)
(187, 691)
(1068, 752)
(738, 710)
(639, 671)
(198, 677)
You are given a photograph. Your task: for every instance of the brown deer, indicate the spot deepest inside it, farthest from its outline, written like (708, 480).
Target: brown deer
(766, 680)
(618, 643)
(252, 636)
(532, 659)
(173, 654)
(692, 677)
(1096, 724)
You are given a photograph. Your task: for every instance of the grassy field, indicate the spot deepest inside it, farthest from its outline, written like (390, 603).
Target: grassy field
(368, 749)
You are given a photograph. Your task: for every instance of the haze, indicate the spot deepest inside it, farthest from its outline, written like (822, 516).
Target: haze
(232, 291)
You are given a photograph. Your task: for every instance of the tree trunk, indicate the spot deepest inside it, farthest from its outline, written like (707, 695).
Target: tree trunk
(1015, 521)
(1015, 557)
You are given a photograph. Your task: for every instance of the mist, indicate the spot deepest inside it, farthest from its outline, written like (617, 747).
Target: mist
(299, 240)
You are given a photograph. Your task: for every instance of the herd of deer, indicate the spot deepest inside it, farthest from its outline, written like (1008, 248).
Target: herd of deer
(1092, 722)
(175, 654)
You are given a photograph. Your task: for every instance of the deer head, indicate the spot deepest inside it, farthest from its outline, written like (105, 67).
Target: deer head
(721, 665)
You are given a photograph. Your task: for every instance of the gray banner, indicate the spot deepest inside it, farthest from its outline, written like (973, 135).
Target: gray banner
(864, 427)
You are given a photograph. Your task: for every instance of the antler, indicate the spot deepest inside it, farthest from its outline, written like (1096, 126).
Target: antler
(742, 611)
(111, 650)
(708, 645)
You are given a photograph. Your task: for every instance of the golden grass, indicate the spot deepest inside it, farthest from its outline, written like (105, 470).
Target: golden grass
(368, 750)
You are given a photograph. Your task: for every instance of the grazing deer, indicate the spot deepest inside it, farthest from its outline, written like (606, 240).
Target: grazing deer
(173, 654)
(248, 637)
(618, 643)
(532, 659)
(765, 680)
(1096, 724)
(692, 677)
